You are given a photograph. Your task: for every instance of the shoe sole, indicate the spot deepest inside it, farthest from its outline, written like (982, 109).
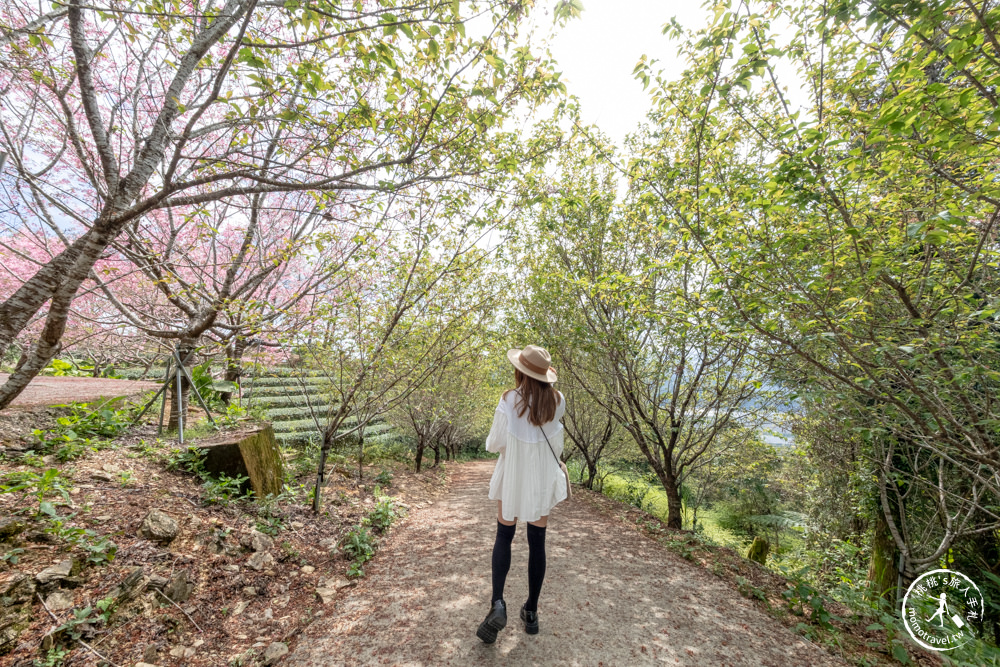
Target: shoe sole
(489, 629)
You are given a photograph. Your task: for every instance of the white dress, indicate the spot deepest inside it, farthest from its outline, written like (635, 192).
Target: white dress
(527, 478)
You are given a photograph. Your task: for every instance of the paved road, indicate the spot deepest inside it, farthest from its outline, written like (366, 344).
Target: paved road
(611, 597)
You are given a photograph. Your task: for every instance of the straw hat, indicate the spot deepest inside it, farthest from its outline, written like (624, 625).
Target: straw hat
(534, 362)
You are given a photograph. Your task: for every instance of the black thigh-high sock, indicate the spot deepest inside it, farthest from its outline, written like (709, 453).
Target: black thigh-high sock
(536, 565)
(501, 558)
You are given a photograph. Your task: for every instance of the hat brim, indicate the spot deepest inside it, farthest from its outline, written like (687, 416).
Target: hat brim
(513, 356)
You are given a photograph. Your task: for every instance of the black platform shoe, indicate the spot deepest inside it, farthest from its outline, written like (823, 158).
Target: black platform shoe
(495, 621)
(530, 619)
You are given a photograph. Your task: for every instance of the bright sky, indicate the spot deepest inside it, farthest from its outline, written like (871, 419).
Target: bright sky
(598, 51)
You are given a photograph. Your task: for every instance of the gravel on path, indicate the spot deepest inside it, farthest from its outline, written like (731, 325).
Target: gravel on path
(611, 597)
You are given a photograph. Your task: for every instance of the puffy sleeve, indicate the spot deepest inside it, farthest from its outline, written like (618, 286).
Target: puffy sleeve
(496, 441)
(558, 442)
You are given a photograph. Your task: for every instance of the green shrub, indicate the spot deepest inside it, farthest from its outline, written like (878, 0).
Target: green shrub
(384, 513)
(359, 545)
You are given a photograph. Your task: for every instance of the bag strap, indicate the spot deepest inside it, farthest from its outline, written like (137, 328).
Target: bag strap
(558, 462)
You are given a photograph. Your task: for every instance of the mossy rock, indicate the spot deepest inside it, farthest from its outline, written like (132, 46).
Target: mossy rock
(15, 611)
(758, 551)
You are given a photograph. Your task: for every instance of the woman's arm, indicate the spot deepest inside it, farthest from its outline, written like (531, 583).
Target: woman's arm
(496, 441)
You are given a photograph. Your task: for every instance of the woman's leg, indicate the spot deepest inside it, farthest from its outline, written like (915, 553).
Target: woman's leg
(536, 561)
(501, 552)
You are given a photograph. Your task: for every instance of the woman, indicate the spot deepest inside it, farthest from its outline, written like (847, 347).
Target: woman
(527, 481)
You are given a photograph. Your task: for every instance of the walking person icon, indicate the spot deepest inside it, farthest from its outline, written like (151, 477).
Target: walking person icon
(942, 609)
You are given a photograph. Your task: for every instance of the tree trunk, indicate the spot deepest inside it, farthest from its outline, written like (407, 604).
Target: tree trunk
(234, 366)
(58, 281)
(361, 456)
(437, 455)
(674, 506)
(254, 455)
(420, 453)
(883, 569)
(591, 473)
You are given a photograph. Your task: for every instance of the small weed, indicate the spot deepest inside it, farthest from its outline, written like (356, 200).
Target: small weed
(359, 545)
(748, 590)
(224, 490)
(125, 477)
(32, 459)
(187, 459)
(100, 549)
(107, 608)
(290, 550)
(41, 485)
(12, 556)
(269, 525)
(804, 600)
(54, 657)
(384, 478)
(384, 513)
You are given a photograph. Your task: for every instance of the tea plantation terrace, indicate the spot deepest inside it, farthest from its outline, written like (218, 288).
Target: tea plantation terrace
(289, 403)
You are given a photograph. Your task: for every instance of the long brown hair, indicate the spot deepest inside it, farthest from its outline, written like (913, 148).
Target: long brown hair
(537, 398)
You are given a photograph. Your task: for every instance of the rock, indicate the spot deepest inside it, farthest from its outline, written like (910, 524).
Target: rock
(268, 614)
(59, 600)
(240, 607)
(144, 664)
(197, 642)
(15, 610)
(275, 651)
(102, 476)
(182, 652)
(231, 568)
(257, 541)
(179, 588)
(20, 590)
(307, 569)
(281, 601)
(104, 518)
(249, 591)
(156, 581)
(130, 587)
(149, 654)
(260, 560)
(55, 573)
(326, 595)
(10, 528)
(297, 525)
(159, 527)
(39, 537)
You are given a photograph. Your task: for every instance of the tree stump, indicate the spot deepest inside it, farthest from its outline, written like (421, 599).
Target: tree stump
(253, 454)
(758, 551)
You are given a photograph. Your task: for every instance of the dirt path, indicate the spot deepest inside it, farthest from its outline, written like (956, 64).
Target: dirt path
(42, 390)
(611, 597)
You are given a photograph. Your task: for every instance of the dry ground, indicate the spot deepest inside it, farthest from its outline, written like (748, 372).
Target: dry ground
(611, 597)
